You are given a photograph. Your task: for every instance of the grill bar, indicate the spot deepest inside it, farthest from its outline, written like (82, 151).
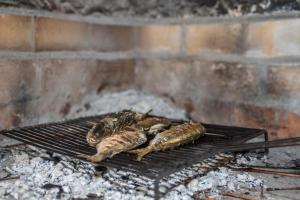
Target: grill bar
(262, 145)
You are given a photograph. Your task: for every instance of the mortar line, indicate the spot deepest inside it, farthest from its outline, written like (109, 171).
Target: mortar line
(33, 33)
(242, 38)
(133, 54)
(182, 40)
(262, 74)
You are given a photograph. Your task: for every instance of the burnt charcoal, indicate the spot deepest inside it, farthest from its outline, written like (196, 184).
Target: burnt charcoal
(91, 196)
(125, 178)
(157, 8)
(101, 168)
(50, 186)
(87, 106)
(297, 163)
(65, 109)
(55, 159)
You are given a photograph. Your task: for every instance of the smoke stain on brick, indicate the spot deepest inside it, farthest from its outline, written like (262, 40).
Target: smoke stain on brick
(283, 80)
(259, 40)
(216, 38)
(101, 87)
(87, 106)
(65, 109)
(187, 104)
(16, 120)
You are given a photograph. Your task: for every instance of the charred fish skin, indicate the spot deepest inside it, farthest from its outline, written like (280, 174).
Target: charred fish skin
(173, 137)
(112, 123)
(153, 125)
(121, 142)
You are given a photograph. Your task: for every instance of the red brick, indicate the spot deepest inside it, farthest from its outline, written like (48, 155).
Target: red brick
(216, 38)
(158, 38)
(214, 112)
(55, 34)
(117, 74)
(283, 80)
(16, 33)
(229, 81)
(160, 76)
(290, 126)
(65, 75)
(259, 40)
(19, 113)
(273, 38)
(278, 123)
(287, 38)
(63, 82)
(66, 83)
(8, 117)
(234, 114)
(17, 81)
(254, 116)
(111, 38)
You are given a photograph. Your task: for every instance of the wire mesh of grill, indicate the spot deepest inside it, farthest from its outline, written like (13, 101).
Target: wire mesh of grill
(69, 138)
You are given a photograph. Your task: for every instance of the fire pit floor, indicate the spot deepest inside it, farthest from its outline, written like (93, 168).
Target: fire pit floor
(68, 138)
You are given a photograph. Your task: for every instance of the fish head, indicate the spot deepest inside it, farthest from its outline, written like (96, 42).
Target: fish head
(95, 134)
(200, 126)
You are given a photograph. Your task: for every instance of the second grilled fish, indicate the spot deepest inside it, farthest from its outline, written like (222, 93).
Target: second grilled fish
(175, 136)
(119, 142)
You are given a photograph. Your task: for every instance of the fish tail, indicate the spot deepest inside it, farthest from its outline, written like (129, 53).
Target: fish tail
(96, 158)
(141, 116)
(140, 153)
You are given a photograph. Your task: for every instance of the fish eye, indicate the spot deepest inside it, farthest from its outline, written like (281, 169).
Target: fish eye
(98, 129)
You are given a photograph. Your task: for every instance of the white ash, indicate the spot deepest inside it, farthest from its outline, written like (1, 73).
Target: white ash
(215, 182)
(129, 99)
(75, 178)
(278, 157)
(251, 159)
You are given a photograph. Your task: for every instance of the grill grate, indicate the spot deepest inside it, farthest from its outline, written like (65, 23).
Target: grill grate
(68, 138)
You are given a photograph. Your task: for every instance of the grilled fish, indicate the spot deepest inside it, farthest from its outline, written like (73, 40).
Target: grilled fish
(119, 142)
(175, 136)
(153, 125)
(112, 123)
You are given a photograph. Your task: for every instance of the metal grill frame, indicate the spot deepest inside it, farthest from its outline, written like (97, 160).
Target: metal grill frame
(68, 138)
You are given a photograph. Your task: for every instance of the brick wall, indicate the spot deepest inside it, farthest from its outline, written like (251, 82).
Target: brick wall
(228, 93)
(48, 88)
(244, 73)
